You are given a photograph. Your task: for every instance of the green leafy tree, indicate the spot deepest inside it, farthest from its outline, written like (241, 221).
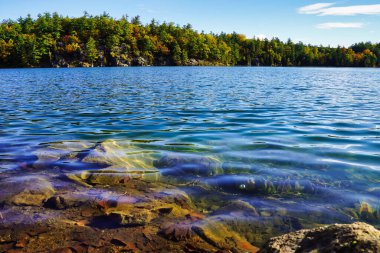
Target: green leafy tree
(91, 52)
(52, 40)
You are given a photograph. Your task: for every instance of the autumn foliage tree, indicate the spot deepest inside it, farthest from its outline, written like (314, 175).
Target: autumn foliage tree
(54, 40)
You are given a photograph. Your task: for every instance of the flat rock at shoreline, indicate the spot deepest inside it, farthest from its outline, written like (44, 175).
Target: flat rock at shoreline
(356, 237)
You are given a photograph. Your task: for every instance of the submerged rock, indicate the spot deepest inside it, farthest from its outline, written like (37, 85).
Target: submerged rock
(368, 212)
(256, 225)
(218, 235)
(55, 202)
(115, 208)
(189, 165)
(25, 190)
(121, 155)
(120, 162)
(177, 231)
(122, 210)
(356, 237)
(47, 157)
(262, 185)
(111, 177)
(238, 208)
(129, 218)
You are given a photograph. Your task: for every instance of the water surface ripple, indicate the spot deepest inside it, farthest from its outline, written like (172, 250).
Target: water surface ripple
(307, 138)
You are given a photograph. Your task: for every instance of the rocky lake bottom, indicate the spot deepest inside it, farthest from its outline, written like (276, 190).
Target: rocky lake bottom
(116, 196)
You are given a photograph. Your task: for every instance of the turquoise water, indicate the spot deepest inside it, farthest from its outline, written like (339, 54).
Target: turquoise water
(303, 139)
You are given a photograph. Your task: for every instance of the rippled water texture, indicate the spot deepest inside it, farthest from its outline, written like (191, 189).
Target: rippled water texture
(304, 142)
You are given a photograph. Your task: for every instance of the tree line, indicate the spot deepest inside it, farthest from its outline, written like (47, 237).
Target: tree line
(52, 40)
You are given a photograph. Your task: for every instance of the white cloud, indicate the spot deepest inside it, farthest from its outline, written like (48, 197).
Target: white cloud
(325, 9)
(314, 8)
(327, 26)
(373, 9)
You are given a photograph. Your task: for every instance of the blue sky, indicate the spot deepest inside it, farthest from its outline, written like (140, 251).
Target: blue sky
(317, 22)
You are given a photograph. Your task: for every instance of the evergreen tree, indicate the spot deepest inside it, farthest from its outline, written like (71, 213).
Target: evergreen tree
(102, 40)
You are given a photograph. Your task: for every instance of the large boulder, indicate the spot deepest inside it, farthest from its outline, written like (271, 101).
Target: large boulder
(356, 237)
(25, 191)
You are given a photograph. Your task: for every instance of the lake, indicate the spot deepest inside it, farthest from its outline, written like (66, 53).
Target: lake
(300, 143)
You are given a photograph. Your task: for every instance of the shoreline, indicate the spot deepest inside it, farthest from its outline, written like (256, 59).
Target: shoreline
(203, 66)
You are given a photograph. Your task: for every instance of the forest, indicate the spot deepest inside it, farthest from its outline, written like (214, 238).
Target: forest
(52, 40)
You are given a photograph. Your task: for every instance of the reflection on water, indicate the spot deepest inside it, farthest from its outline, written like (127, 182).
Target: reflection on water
(301, 145)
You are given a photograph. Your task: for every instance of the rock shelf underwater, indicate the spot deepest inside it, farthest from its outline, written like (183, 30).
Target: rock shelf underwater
(115, 195)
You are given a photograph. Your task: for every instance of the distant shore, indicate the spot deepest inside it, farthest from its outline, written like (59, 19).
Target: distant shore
(52, 40)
